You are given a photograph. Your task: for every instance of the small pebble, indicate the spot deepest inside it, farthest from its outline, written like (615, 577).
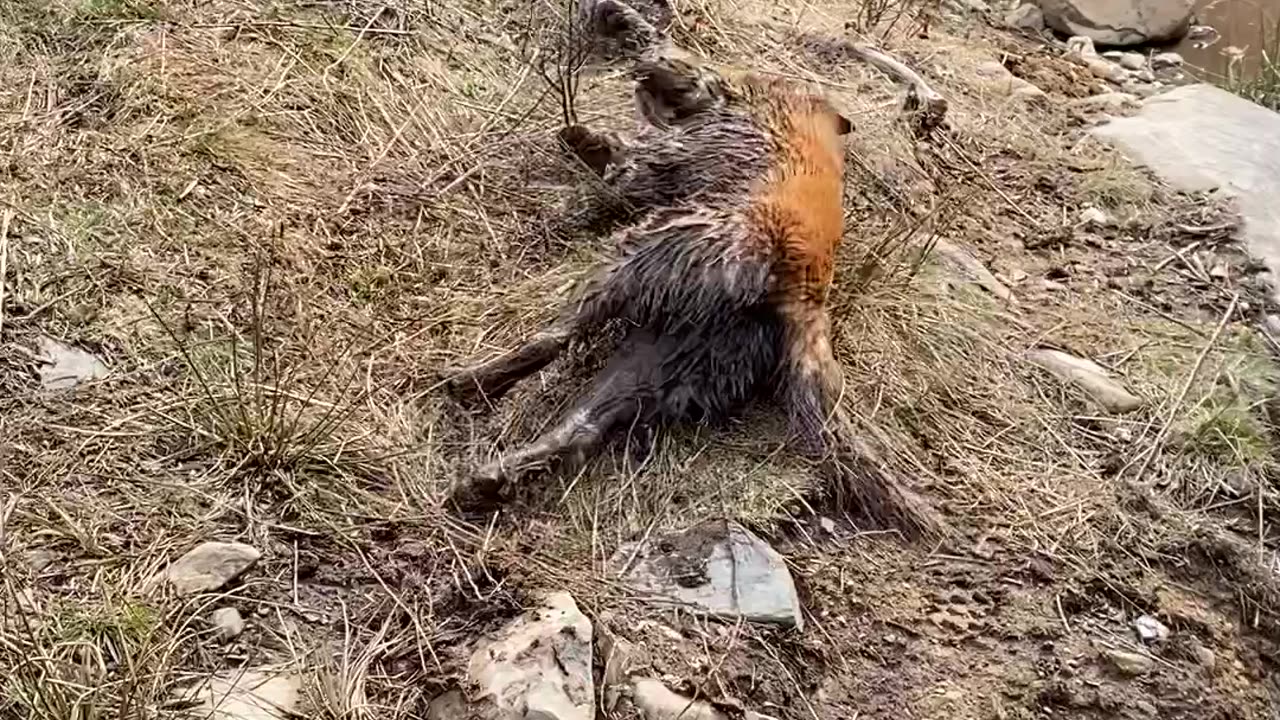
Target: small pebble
(1150, 630)
(227, 623)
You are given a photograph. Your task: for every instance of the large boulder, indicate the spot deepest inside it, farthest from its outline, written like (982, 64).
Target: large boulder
(1120, 22)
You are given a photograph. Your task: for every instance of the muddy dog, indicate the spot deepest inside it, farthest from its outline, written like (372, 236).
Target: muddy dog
(721, 282)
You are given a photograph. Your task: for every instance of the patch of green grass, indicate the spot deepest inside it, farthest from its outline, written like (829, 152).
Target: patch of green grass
(1223, 420)
(101, 660)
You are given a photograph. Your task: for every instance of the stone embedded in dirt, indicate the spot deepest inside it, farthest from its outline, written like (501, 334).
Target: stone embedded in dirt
(1119, 22)
(210, 566)
(1106, 70)
(40, 559)
(1080, 49)
(619, 657)
(718, 567)
(972, 270)
(63, 366)
(1163, 60)
(1027, 16)
(227, 623)
(448, 706)
(1150, 630)
(539, 666)
(250, 695)
(999, 77)
(1092, 216)
(1112, 101)
(1088, 376)
(1204, 656)
(1133, 61)
(1129, 663)
(656, 701)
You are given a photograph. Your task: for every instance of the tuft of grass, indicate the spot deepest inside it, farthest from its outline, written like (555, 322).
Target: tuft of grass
(250, 407)
(1263, 85)
(1118, 185)
(113, 659)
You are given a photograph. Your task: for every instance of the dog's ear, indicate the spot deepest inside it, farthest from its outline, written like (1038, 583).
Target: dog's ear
(844, 125)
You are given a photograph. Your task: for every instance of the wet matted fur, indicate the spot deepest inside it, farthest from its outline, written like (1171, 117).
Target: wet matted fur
(734, 189)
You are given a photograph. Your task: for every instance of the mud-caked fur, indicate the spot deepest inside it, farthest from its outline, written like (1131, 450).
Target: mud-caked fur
(734, 187)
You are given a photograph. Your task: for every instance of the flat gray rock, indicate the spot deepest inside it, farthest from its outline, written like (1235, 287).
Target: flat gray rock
(250, 695)
(209, 566)
(64, 366)
(717, 567)
(1198, 138)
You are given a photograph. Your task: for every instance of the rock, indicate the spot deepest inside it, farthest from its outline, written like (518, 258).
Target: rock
(1081, 49)
(717, 567)
(1025, 17)
(539, 666)
(250, 695)
(971, 269)
(1130, 663)
(448, 706)
(227, 623)
(656, 702)
(1133, 61)
(1088, 376)
(1150, 630)
(1106, 70)
(1024, 89)
(210, 566)
(999, 77)
(1166, 60)
(1110, 101)
(1199, 138)
(1113, 55)
(979, 6)
(1120, 22)
(63, 366)
(1094, 216)
(1143, 90)
(1204, 656)
(620, 658)
(40, 559)
(1145, 76)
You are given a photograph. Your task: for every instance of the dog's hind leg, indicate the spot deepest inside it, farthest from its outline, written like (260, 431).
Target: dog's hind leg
(626, 391)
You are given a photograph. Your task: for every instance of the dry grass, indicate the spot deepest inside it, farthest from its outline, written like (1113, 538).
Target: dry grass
(277, 221)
